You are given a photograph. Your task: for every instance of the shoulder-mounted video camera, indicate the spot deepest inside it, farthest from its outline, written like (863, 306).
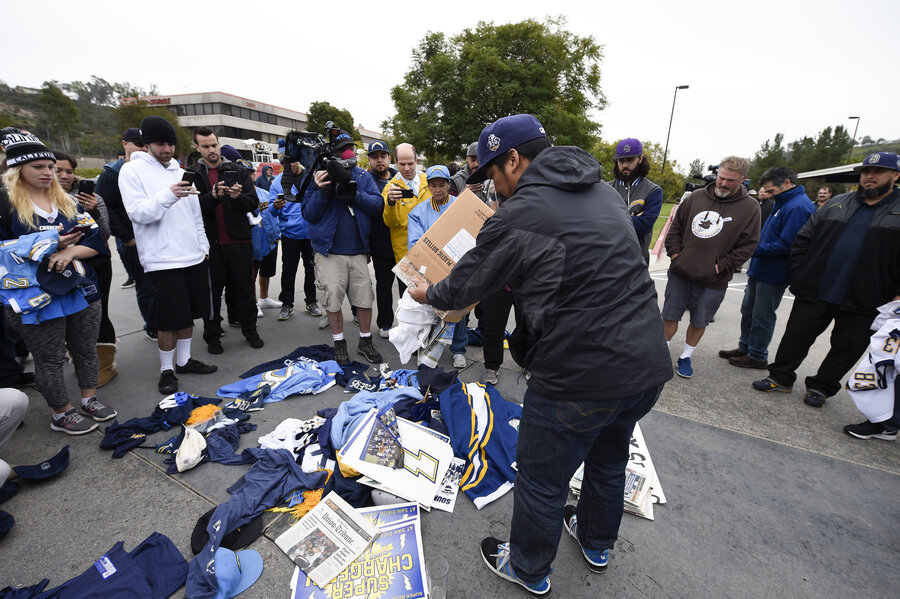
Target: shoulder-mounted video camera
(707, 179)
(314, 152)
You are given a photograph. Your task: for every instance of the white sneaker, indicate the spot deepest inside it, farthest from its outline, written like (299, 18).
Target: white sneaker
(384, 333)
(489, 376)
(323, 324)
(268, 302)
(259, 312)
(459, 361)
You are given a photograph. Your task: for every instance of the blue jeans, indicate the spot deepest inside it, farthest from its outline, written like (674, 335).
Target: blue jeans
(460, 336)
(758, 317)
(143, 288)
(555, 436)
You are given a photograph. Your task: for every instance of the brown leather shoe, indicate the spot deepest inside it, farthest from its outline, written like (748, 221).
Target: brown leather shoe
(746, 361)
(731, 353)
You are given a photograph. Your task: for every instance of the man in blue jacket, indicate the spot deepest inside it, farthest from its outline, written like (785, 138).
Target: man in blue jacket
(339, 214)
(770, 269)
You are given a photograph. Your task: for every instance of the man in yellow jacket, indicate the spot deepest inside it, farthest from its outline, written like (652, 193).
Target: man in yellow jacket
(406, 190)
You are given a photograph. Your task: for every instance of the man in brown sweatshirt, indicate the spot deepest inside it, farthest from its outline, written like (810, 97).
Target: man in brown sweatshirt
(714, 231)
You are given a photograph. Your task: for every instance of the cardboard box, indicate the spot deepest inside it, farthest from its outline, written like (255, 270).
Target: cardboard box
(443, 244)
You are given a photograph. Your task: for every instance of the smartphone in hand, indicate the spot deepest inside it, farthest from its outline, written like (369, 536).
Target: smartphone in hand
(230, 178)
(86, 186)
(191, 177)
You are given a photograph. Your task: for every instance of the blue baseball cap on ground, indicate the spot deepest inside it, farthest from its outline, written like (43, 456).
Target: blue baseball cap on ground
(378, 146)
(236, 572)
(438, 171)
(501, 136)
(629, 148)
(888, 160)
(46, 469)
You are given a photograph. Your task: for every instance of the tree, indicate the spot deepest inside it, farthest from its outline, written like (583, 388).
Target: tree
(130, 114)
(829, 148)
(322, 112)
(866, 141)
(59, 116)
(697, 167)
(458, 85)
(769, 155)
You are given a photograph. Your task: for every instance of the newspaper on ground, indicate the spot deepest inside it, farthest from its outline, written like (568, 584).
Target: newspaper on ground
(327, 539)
(393, 567)
(642, 486)
(427, 455)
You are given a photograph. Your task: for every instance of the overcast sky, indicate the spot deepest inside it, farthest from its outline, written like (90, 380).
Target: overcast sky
(787, 66)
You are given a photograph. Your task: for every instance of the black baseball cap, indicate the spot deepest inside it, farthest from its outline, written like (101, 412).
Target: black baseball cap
(236, 539)
(133, 134)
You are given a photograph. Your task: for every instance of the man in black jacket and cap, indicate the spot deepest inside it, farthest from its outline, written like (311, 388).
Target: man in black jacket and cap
(564, 244)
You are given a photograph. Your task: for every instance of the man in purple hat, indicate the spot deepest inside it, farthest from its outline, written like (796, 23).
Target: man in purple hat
(563, 243)
(845, 263)
(643, 197)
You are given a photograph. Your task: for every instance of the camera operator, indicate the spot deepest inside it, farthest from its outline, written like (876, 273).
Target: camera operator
(224, 208)
(339, 214)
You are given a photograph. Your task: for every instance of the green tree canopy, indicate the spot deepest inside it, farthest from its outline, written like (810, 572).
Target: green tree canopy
(132, 113)
(322, 112)
(828, 148)
(59, 115)
(458, 85)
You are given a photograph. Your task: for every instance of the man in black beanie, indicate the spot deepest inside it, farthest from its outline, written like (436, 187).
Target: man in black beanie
(172, 246)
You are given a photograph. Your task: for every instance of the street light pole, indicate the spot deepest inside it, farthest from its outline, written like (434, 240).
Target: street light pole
(855, 129)
(663, 169)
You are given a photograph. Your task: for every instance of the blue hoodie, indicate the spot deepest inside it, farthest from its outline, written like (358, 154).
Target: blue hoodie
(293, 225)
(320, 209)
(770, 262)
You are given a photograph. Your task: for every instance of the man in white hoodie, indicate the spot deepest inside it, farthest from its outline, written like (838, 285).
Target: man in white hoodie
(172, 246)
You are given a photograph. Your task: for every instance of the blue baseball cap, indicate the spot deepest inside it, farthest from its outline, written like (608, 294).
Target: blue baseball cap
(378, 146)
(236, 572)
(501, 136)
(888, 160)
(629, 148)
(62, 282)
(438, 171)
(46, 469)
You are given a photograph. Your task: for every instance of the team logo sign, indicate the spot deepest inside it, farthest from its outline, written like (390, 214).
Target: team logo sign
(708, 224)
(493, 142)
(627, 148)
(874, 158)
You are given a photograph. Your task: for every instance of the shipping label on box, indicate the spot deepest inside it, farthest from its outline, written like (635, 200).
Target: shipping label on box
(443, 245)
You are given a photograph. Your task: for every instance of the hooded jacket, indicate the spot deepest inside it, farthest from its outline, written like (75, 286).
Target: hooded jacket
(876, 280)
(168, 230)
(790, 212)
(396, 216)
(290, 218)
(108, 189)
(320, 210)
(708, 232)
(565, 245)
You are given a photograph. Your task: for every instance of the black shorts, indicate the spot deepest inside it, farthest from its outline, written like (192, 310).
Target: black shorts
(266, 266)
(182, 296)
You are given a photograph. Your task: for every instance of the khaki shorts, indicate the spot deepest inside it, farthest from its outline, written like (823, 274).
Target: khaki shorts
(337, 276)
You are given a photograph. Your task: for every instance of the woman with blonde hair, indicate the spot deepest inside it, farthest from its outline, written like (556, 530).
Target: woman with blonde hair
(55, 303)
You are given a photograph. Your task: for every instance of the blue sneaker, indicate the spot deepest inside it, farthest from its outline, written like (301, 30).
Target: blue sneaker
(684, 368)
(595, 560)
(495, 554)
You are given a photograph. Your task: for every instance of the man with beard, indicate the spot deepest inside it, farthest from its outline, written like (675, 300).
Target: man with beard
(380, 240)
(642, 196)
(172, 246)
(714, 231)
(845, 262)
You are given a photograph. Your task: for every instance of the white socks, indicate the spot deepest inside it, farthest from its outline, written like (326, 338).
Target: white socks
(338, 337)
(688, 350)
(364, 335)
(165, 360)
(184, 350)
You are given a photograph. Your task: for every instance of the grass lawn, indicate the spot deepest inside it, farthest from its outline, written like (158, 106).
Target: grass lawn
(660, 221)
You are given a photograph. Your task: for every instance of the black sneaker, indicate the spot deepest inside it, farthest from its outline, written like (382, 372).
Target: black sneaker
(870, 430)
(595, 560)
(341, 356)
(193, 366)
(168, 382)
(215, 347)
(495, 554)
(731, 353)
(152, 335)
(129, 283)
(767, 384)
(98, 410)
(25, 379)
(367, 349)
(814, 398)
(72, 423)
(254, 340)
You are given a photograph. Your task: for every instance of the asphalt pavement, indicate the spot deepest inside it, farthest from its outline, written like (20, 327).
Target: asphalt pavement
(767, 497)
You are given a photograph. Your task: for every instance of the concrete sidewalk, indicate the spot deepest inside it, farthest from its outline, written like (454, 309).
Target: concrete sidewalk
(766, 496)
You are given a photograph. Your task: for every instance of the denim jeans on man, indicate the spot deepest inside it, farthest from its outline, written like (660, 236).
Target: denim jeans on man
(554, 438)
(761, 300)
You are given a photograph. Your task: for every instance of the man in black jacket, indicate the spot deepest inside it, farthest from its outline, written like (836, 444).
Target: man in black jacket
(845, 262)
(563, 242)
(226, 196)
